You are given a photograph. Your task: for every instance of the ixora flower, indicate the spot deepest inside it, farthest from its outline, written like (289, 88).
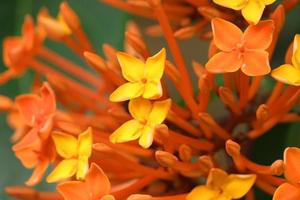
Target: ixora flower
(146, 115)
(38, 113)
(95, 186)
(290, 190)
(221, 186)
(75, 154)
(252, 10)
(143, 78)
(290, 73)
(245, 51)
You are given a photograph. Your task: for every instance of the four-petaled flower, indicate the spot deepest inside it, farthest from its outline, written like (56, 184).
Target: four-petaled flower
(75, 153)
(252, 10)
(241, 50)
(221, 186)
(95, 186)
(290, 73)
(143, 78)
(291, 189)
(146, 116)
(38, 113)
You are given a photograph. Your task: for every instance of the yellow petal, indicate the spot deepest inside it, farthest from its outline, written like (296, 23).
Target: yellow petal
(296, 44)
(139, 109)
(65, 144)
(296, 59)
(82, 168)
(155, 66)
(233, 4)
(287, 74)
(268, 2)
(153, 90)
(253, 11)
(159, 112)
(237, 185)
(203, 192)
(146, 137)
(128, 131)
(65, 169)
(127, 91)
(132, 68)
(216, 178)
(85, 142)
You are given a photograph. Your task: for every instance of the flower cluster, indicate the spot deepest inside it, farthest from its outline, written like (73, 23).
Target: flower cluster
(119, 134)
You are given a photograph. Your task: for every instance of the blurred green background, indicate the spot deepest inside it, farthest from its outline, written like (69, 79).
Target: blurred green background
(105, 24)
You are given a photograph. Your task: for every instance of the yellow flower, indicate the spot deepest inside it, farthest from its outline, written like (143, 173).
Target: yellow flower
(143, 78)
(75, 152)
(146, 116)
(252, 10)
(221, 186)
(290, 73)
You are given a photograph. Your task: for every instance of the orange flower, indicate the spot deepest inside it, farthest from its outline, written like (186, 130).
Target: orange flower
(241, 50)
(95, 186)
(290, 190)
(17, 51)
(37, 112)
(38, 156)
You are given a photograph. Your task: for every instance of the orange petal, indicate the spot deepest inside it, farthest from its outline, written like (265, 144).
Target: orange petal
(30, 140)
(224, 62)
(226, 35)
(287, 191)
(38, 173)
(97, 182)
(292, 163)
(48, 97)
(259, 36)
(256, 63)
(72, 190)
(28, 157)
(28, 107)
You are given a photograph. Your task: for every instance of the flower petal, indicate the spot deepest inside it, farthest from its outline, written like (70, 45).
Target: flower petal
(146, 138)
(159, 112)
(82, 167)
(296, 52)
(97, 182)
(253, 11)
(235, 5)
(287, 191)
(66, 145)
(268, 2)
(85, 142)
(223, 62)
(48, 98)
(292, 163)
(202, 192)
(226, 34)
(256, 63)
(237, 185)
(259, 36)
(152, 90)
(65, 169)
(155, 66)
(140, 108)
(28, 106)
(71, 190)
(216, 178)
(38, 173)
(28, 157)
(30, 140)
(128, 131)
(132, 68)
(287, 74)
(127, 91)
